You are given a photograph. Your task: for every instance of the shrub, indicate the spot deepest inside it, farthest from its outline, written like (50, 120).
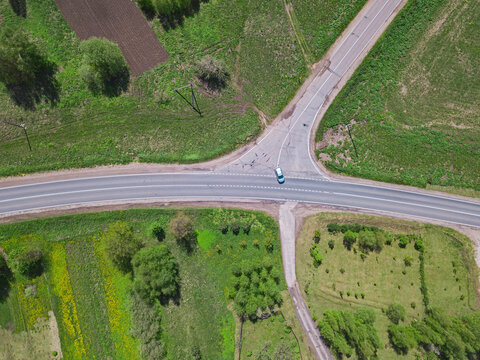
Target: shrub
(331, 244)
(403, 241)
(269, 244)
(121, 245)
(158, 232)
(395, 313)
(155, 274)
(235, 228)
(256, 243)
(419, 245)
(246, 226)
(316, 255)
(223, 227)
(349, 293)
(349, 239)
(212, 72)
(413, 305)
(408, 260)
(243, 244)
(362, 295)
(363, 256)
(103, 67)
(342, 270)
(317, 236)
(181, 227)
(341, 293)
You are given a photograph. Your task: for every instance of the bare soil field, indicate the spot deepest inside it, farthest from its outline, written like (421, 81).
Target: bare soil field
(119, 21)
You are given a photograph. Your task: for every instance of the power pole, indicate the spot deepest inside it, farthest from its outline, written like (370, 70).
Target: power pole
(193, 102)
(22, 126)
(351, 138)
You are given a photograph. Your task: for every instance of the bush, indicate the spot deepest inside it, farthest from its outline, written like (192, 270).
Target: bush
(181, 227)
(103, 67)
(419, 245)
(212, 72)
(155, 274)
(331, 244)
(317, 236)
(121, 245)
(408, 260)
(269, 244)
(316, 255)
(223, 227)
(370, 241)
(349, 239)
(235, 228)
(158, 232)
(395, 313)
(403, 241)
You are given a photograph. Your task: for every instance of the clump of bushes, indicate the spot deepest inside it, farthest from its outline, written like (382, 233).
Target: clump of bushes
(395, 313)
(182, 228)
(343, 228)
(316, 255)
(349, 239)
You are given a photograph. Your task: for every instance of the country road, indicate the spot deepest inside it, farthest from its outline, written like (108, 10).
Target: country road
(250, 176)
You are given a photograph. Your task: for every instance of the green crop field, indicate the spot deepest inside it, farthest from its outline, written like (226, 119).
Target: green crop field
(413, 102)
(150, 123)
(90, 296)
(383, 278)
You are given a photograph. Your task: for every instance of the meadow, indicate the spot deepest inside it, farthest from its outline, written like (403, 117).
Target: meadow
(413, 103)
(345, 281)
(90, 296)
(150, 122)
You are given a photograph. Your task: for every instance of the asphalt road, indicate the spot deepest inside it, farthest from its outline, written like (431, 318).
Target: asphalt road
(212, 185)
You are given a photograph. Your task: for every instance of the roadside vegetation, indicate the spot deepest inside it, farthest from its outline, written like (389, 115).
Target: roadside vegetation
(413, 103)
(390, 289)
(148, 284)
(259, 68)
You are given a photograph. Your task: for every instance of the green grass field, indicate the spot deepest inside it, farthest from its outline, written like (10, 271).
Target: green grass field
(380, 277)
(90, 297)
(414, 102)
(150, 122)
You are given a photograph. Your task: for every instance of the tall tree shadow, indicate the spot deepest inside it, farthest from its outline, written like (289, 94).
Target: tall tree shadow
(44, 86)
(19, 7)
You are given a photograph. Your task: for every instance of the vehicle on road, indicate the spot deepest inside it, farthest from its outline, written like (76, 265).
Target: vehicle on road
(279, 175)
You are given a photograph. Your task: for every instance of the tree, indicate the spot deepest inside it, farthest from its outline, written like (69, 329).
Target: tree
(103, 67)
(331, 244)
(25, 69)
(19, 7)
(316, 255)
(349, 239)
(367, 240)
(317, 236)
(155, 274)
(121, 245)
(212, 72)
(181, 227)
(29, 262)
(395, 313)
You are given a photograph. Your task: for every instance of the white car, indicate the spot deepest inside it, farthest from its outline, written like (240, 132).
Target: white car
(279, 175)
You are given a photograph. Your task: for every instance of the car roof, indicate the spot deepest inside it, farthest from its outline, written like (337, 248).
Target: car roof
(278, 171)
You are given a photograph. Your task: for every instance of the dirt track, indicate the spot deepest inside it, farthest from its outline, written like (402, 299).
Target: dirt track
(119, 21)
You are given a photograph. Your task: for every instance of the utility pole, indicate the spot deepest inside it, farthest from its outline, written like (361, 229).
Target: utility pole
(351, 138)
(193, 102)
(22, 126)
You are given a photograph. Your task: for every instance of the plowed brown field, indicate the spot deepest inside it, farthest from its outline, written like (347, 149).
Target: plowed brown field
(119, 21)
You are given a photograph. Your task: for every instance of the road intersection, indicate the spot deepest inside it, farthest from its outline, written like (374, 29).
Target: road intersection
(251, 175)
